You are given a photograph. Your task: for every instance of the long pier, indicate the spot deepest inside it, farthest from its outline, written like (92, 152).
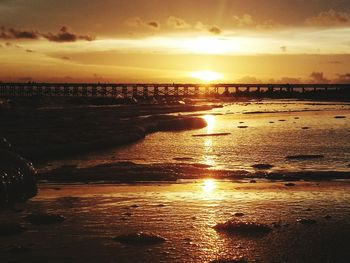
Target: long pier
(166, 90)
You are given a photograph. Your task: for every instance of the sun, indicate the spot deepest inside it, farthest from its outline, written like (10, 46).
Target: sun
(206, 75)
(209, 185)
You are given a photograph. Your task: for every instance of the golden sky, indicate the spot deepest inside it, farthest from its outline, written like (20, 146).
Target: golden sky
(175, 41)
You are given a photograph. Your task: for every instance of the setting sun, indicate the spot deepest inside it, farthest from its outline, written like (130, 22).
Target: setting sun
(206, 75)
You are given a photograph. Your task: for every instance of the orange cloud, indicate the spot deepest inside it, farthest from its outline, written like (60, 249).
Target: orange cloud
(64, 36)
(177, 23)
(329, 18)
(137, 22)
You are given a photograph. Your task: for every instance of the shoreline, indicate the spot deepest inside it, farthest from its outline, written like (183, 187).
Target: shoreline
(53, 133)
(129, 172)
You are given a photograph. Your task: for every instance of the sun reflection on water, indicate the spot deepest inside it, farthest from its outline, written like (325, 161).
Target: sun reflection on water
(209, 185)
(210, 120)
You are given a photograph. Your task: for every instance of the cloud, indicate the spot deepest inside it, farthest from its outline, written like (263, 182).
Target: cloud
(335, 62)
(138, 22)
(329, 18)
(214, 30)
(62, 36)
(318, 77)
(209, 28)
(65, 36)
(11, 33)
(177, 23)
(247, 21)
(154, 24)
(343, 78)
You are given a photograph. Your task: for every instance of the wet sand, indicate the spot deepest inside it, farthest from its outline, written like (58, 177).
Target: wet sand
(184, 213)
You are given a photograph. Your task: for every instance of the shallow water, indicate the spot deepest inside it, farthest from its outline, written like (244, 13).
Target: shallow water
(184, 214)
(286, 128)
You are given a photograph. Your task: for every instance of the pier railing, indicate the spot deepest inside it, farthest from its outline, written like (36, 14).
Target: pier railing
(156, 90)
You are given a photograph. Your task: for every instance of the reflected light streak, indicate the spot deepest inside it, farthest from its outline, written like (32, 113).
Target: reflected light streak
(210, 120)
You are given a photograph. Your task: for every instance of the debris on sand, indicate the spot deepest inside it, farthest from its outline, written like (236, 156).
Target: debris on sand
(306, 221)
(262, 166)
(243, 228)
(238, 214)
(229, 260)
(9, 229)
(45, 219)
(242, 127)
(183, 158)
(211, 134)
(289, 184)
(140, 238)
(304, 156)
(339, 117)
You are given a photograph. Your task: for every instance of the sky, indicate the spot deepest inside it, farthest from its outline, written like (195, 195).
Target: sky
(162, 41)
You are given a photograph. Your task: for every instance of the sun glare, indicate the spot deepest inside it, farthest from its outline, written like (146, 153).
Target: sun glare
(206, 75)
(210, 120)
(209, 185)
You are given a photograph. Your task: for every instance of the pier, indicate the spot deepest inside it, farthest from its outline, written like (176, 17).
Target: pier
(164, 90)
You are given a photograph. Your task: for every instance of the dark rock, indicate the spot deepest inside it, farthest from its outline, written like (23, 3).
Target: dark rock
(306, 221)
(238, 214)
(304, 156)
(262, 166)
(9, 229)
(17, 176)
(252, 181)
(134, 206)
(45, 219)
(281, 120)
(296, 118)
(289, 184)
(327, 217)
(242, 127)
(271, 122)
(276, 225)
(243, 228)
(228, 260)
(339, 117)
(211, 134)
(305, 128)
(140, 238)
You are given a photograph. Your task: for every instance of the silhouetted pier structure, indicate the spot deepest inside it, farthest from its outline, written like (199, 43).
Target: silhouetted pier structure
(166, 90)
